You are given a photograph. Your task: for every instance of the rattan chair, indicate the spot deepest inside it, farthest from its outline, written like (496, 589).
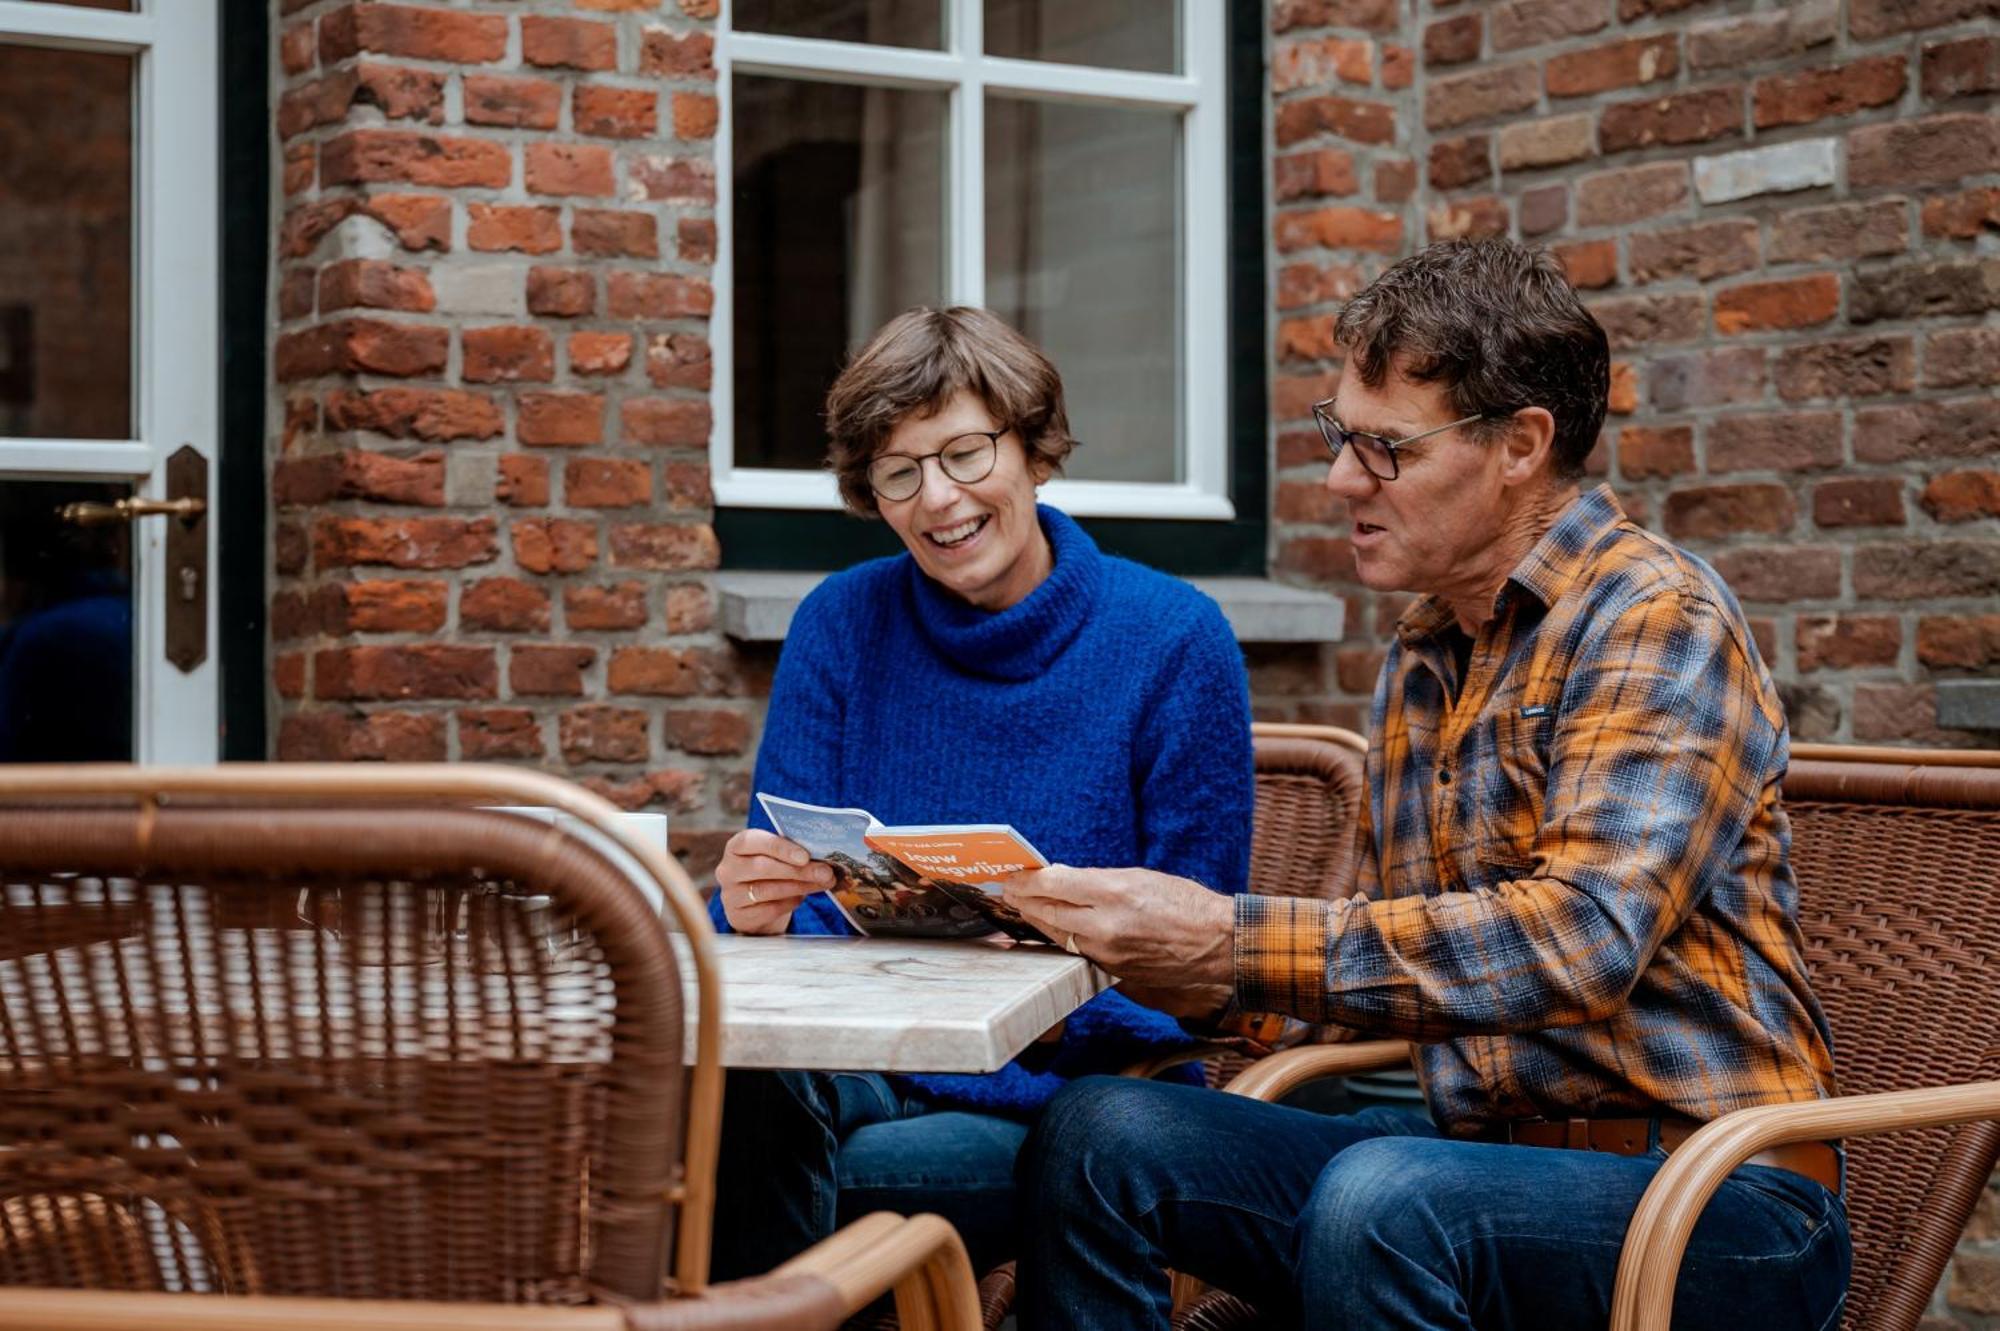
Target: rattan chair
(335, 1042)
(1900, 906)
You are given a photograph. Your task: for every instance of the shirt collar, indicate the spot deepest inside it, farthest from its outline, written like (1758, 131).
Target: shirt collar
(1548, 569)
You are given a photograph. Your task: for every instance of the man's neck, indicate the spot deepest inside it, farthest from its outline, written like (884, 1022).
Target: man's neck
(1519, 532)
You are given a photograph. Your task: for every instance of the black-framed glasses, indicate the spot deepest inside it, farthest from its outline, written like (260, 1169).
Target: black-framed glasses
(965, 458)
(1376, 454)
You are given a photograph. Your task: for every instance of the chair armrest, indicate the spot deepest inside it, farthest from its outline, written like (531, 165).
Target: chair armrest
(1153, 1067)
(921, 1258)
(1274, 1075)
(1655, 1241)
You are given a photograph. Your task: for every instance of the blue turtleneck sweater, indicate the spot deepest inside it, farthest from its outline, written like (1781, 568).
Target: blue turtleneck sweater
(1106, 716)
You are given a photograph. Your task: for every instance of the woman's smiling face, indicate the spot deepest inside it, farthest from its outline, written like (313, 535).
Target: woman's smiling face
(981, 540)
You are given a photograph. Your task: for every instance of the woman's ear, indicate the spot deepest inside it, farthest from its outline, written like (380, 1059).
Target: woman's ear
(1039, 467)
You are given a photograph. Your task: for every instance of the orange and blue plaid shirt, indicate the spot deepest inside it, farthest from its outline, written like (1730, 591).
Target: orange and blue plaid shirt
(1575, 891)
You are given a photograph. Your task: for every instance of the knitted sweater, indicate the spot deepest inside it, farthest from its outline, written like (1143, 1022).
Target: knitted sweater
(1107, 716)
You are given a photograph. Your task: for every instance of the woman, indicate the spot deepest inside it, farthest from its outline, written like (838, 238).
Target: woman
(1001, 670)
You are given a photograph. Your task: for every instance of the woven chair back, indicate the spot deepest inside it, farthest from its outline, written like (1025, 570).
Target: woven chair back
(1900, 905)
(413, 1052)
(1308, 815)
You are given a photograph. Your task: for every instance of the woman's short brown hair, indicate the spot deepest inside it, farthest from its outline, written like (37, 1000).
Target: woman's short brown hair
(916, 364)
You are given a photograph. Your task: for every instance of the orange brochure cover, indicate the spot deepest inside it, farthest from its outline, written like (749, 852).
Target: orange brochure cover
(913, 882)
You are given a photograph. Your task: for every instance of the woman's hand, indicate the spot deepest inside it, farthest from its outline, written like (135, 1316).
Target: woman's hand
(761, 878)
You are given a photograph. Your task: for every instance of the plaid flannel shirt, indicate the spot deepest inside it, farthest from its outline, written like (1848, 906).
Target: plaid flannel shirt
(1574, 891)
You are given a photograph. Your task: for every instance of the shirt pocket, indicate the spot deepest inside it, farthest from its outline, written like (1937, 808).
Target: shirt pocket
(1510, 791)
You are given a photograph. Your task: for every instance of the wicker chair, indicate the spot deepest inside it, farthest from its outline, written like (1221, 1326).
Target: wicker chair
(1900, 907)
(334, 1042)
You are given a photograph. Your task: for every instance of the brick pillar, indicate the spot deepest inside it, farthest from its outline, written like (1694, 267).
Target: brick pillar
(492, 507)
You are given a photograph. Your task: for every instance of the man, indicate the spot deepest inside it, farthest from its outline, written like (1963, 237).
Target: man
(1574, 896)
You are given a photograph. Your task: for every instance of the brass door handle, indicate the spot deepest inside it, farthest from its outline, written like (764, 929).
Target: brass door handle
(93, 514)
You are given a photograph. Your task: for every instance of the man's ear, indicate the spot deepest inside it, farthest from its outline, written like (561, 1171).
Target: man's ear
(1525, 448)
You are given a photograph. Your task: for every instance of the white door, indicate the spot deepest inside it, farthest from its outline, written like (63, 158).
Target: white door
(109, 369)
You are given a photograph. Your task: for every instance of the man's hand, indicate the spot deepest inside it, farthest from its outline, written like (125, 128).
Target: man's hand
(1155, 930)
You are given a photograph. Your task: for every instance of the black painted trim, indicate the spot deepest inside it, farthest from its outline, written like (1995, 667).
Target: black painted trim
(762, 538)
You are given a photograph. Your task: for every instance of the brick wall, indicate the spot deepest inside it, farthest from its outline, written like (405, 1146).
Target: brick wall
(490, 484)
(1787, 217)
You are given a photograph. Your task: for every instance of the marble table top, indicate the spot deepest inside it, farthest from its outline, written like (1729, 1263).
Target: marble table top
(883, 1005)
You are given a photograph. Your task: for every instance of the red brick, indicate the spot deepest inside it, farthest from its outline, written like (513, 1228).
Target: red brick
(663, 178)
(1792, 302)
(1399, 66)
(1544, 209)
(607, 483)
(1530, 144)
(1848, 642)
(1307, 339)
(1928, 431)
(690, 609)
(619, 605)
(1858, 367)
(1316, 62)
(1322, 559)
(394, 606)
(1589, 264)
(1622, 64)
(487, 733)
(1959, 356)
(695, 116)
(1924, 290)
(1704, 251)
(1310, 174)
(419, 34)
(568, 43)
(418, 670)
(1302, 284)
(616, 113)
(296, 292)
(420, 221)
(328, 736)
(1634, 321)
(564, 293)
(420, 413)
(1520, 23)
(1455, 163)
(569, 169)
(366, 155)
(679, 360)
(1305, 501)
(1496, 90)
(1371, 15)
(1292, 395)
(299, 614)
(1452, 41)
(296, 48)
(1343, 117)
(608, 232)
(1939, 150)
(659, 672)
(1775, 441)
(685, 486)
(1755, 38)
(523, 481)
(677, 54)
(402, 94)
(1726, 510)
(495, 226)
(288, 677)
(658, 296)
(1959, 642)
(358, 474)
(1624, 396)
(1962, 68)
(1689, 117)
(1661, 451)
(1816, 94)
(375, 284)
(503, 605)
(603, 734)
(670, 422)
(517, 103)
(712, 732)
(1963, 216)
(1765, 572)
(507, 353)
(667, 547)
(554, 545)
(300, 168)
(560, 420)
(320, 102)
(695, 239)
(1841, 231)
(1459, 219)
(1869, 19)
(289, 548)
(599, 353)
(1395, 179)
(1859, 501)
(1619, 198)
(1963, 496)
(1919, 570)
(1339, 228)
(352, 346)
(427, 543)
(540, 670)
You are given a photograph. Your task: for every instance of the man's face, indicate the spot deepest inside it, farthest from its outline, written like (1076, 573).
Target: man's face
(1426, 530)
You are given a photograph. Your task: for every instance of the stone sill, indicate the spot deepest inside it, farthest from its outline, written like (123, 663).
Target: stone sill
(758, 607)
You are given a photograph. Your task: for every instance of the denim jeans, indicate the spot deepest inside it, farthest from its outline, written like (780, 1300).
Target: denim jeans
(806, 1152)
(1373, 1220)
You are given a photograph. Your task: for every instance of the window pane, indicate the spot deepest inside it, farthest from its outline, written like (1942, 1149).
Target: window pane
(1115, 34)
(838, 226)
(1083, 255)
(65, 244)
(122, 6)
(883, 22)
(65, 627)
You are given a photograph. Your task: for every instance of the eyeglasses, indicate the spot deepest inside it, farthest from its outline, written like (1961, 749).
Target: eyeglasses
(1376, 454)
(966, 458)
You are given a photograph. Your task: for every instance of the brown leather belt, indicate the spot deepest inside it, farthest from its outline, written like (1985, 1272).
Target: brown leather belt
(1817, 1161)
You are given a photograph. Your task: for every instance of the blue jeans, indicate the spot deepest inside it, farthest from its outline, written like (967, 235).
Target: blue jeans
(806, 1152)
(1373, 1220)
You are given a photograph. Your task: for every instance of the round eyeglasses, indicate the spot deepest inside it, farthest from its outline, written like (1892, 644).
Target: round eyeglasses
(1376, 454)
(965, 458)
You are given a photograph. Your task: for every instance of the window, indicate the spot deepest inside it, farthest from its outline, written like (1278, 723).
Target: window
(1062, 162)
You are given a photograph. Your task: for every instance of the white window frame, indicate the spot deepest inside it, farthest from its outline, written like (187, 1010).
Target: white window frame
(965, 75)
(176, 247)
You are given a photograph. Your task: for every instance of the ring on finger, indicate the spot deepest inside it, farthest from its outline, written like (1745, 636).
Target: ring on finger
(1069, 946)
(749, 896)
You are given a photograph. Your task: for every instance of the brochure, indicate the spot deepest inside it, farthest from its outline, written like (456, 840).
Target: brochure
(913, 882)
